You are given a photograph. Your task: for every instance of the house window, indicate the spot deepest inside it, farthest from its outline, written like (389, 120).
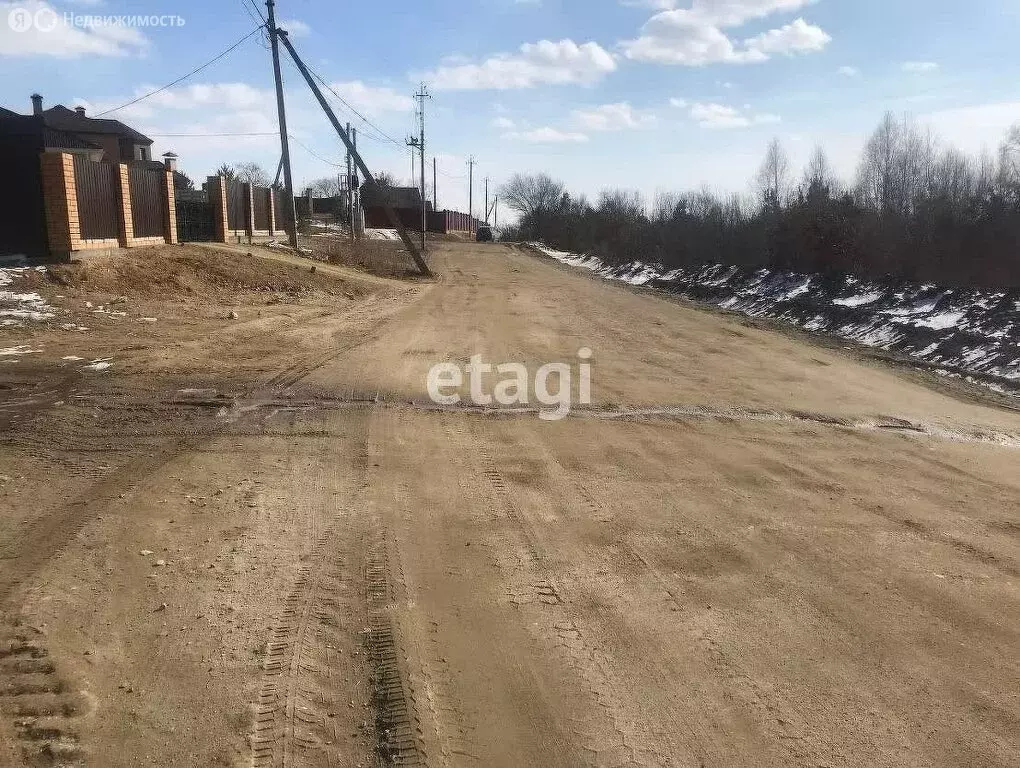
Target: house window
(141, 153)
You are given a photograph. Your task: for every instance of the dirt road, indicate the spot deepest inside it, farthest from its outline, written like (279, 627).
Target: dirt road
(254, 542)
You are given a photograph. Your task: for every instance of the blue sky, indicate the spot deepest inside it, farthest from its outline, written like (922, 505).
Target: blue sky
(643, 94)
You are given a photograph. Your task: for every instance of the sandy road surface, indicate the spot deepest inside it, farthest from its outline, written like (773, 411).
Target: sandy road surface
(749, 551)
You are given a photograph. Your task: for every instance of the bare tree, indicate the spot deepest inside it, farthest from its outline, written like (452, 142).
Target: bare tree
(953, 179)
(226, 171)
(1009, 161)
(327, 186)
(875, 175)
(251, 173)
(666, 206)
(819, 178)
(532, 195)
(773, 178)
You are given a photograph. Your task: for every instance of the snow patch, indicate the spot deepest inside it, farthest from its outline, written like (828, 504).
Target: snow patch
(859, 301)
(972, 331)
(941, 321)
(19, 350)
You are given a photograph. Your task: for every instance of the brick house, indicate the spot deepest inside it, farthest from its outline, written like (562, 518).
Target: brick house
(71, 130)
(26, 140)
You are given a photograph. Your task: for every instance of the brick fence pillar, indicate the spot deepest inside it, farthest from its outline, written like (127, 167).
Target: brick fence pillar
(272, 211)
(125, 220)
(170, 212)
(60, 202)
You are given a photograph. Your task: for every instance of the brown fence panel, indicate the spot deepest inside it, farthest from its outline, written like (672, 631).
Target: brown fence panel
(148, 200)
(97, 198)
(236, 219)
(283, 218)
(261, 197)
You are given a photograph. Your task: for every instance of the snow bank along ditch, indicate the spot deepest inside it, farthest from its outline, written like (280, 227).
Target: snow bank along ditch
(973, 334)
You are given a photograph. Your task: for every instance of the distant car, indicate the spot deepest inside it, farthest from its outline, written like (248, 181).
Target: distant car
(484, 235)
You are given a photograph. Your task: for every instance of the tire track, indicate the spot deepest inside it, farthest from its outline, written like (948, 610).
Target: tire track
(300, 720)
(40, 704)
(607, 735)
(400, 734)
(33, 695)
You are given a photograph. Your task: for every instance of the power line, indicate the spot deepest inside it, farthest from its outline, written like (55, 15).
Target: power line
(204, 135)
(185, 77)
(313, 154)
(385, 136)
(257, 10)
(247, 9)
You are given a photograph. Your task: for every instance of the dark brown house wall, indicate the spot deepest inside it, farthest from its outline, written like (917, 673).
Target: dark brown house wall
(22, 214)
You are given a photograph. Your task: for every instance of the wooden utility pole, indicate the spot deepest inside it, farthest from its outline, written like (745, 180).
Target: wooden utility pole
(471, 194)
(486, 199)
(350, 189)
(359, 162)
(290, 210)
(357, 187)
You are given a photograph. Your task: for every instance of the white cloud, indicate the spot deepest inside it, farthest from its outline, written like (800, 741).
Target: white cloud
(919, 67)
(373, 100)
(613, 117)
(541, 63)
(504, 123)
(61, 40)
(733, 13)
(658, 5)
(546, 136)
(976, 127)
(796, 37)
(241, 96)
(849, 71)
(678, 103)
(225, 95)
(679, 37)
(695, 37)
(726, 12)
(296, 28)
(721, 116)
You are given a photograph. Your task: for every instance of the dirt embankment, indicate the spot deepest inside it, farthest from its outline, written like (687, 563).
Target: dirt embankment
(190, 273)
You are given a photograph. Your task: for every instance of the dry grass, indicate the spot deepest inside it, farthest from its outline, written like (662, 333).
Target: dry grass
(385, 258)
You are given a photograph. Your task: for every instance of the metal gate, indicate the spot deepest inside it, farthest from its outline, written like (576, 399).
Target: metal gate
(195, 222)
(148, 199)
(97, 198)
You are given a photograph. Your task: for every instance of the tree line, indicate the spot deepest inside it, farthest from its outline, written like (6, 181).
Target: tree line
(917, 210)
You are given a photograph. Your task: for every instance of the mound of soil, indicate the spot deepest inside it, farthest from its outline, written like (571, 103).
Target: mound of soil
(189, 272)
(385, 258)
